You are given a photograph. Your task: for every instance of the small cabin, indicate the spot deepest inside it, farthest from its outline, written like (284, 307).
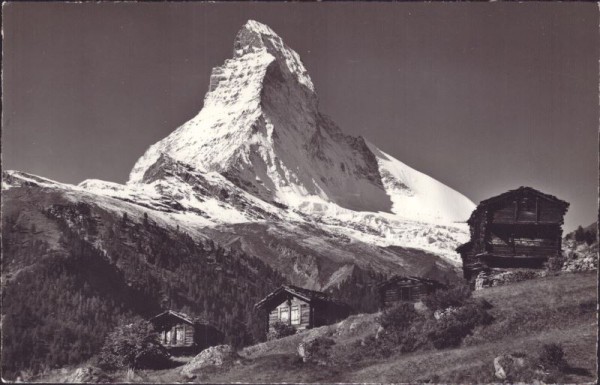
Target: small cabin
(182, 334)
(302, 308)
(521, 228)
(405, 289)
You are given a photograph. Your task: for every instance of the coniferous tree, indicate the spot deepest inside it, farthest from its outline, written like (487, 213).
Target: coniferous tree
(580, 234)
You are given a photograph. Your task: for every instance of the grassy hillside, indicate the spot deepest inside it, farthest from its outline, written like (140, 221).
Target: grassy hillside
(527, 314)
(558, 309)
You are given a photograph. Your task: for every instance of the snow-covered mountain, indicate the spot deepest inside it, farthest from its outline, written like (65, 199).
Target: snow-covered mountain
(262, 130)
(261, 170)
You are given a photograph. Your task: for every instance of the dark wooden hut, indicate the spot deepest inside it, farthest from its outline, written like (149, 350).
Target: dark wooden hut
(302, 308)
(182, 334)
(405, 289)
(521, 228)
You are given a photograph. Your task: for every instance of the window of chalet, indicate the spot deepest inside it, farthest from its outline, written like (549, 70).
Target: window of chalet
(527, 209)
(284, 314)
(303, 313)
(295, 315)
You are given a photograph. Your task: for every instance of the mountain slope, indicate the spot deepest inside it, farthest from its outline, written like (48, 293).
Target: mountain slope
(307, 253)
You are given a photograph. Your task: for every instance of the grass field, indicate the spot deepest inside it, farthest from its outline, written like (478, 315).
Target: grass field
(558, 309)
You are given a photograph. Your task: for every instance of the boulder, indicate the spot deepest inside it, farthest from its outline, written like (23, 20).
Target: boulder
(507, 364)
(379, 332)
(86, 374)
(215, 356)
(482, 281)
(439, 314)
(420, 307)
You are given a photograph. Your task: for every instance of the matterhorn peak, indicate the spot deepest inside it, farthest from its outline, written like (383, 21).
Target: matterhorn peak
(259, 27)
(261, 129)
(251, 35)
(256, 37)
(263, 74)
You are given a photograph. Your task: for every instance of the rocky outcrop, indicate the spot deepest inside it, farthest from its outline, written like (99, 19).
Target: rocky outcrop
(521, 368)
(215, 356)
(580, 256)
(505, 366)
(440, 314)
(88, 374)
(497, 277)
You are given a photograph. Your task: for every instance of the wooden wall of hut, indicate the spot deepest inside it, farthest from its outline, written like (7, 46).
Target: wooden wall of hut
(292, 311)
(520, 228)
(394, 293)
(180, 334)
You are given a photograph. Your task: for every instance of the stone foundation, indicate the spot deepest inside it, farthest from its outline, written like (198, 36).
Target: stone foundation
(498, 277)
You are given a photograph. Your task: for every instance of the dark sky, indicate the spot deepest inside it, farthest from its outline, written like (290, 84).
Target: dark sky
(483, 97)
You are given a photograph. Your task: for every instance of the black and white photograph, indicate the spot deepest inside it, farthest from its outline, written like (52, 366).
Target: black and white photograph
(300, 192)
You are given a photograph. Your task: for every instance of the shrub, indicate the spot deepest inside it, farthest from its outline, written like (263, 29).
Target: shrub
(369, 348)
(591, 237)
(555, 263)
(318, 350)
(450, 329)
(453, 297)
(580, 234)
(133, 346)
(398, 317)
(446, 332)
(402, 331)
(588, 236)
(552, 357)
(482, 303)
(280, 330)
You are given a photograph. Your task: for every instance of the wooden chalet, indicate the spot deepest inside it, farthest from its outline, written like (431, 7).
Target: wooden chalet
(181, 334)
(521, 228)
(302, 308)
(405, 289)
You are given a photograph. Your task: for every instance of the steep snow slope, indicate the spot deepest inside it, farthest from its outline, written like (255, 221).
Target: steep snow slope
(261, 128)
(208, 199)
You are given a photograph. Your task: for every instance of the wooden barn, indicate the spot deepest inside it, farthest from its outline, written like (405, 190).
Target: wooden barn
(405, 289)
(181, 334)
(521, 228)
(302, 308)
